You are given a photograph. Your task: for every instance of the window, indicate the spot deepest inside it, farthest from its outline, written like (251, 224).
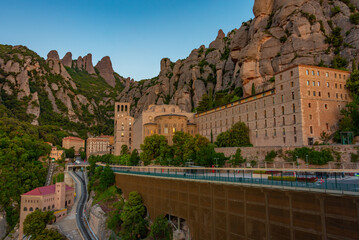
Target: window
(308, 93)
(318, 84)
(293, 108)
(310, 116)
(313, 73)
(340, 76)
(275, 132)
(255, 116)
(295, 139)
(283, 131)
(282, 110)
(318, 73)
(294, 119)
(282, 97)
(25, 209)
(273, 101)
(295, 130)
(31, 209)
(328, 84)
(280, 77)
(264, 103)
(165, 130)
(265, 123)
(247, 118)
(327, 125)
(346, 96)
(336, 95)
(291, 73)
(308, 83)
(283, 120)
(292, 95)
(319, 94)
(325, 106)
(273, 112)
(309, 105)
(335, 75)
(266, 133)
(274, 122)
(265, 113)
(256, 134)
(328, 94)
(292, 84)
(327, 74)
(281, 87)
(339, 107)
(314, 93)
(336, 85)
(313, 83)
(256, 125)
(340, 86)
(311, 129)
(307, 72)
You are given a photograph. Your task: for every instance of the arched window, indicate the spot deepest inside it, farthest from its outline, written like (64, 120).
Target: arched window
(25, 209)
(44, 209)
(37, 208)
(48, 207)
(53, 206)
(31, 209)
(69, 201)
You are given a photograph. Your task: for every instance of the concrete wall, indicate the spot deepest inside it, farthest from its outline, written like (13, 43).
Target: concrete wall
(234, 211)
(259, 153)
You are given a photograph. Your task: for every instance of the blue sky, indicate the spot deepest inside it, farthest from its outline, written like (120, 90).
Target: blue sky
(136, 34)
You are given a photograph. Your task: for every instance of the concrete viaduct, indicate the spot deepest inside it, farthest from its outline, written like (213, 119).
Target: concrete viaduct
(227, 210)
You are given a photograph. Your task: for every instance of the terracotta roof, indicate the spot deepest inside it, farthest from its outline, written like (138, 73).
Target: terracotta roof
(73, 138)
(40, 191)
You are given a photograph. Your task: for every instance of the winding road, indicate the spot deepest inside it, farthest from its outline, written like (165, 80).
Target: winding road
(80, 220)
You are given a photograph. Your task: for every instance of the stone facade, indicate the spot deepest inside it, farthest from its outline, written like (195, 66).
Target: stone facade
(157, 119)
(99, 145)
(56, 154)
(49, 198)
(123, 133)
(304, 102)
(75, 142)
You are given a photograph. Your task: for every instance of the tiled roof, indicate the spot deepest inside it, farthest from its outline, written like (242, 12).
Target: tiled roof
(40, 191)
(73, 138)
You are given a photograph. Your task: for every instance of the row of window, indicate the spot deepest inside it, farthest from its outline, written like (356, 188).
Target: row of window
(319, 94)
(341, 86)
(326, 74)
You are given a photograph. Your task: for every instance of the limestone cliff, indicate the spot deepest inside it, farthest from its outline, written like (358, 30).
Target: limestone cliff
(283, 33)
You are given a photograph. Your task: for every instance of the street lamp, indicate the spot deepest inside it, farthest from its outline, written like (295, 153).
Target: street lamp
(306, 160)
(216, 159)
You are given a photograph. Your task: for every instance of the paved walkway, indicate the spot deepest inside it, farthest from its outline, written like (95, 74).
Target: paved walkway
(68, 225)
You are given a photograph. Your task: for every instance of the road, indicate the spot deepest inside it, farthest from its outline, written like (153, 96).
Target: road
(80, 207)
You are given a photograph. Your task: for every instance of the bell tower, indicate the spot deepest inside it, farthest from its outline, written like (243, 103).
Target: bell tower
(123, 130)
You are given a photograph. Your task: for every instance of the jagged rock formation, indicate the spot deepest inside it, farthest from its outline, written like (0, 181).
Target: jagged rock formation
(67, 60)
(106, 71)
(283, 33)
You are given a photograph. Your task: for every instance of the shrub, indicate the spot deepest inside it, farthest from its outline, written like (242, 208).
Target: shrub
(335, 10)
(311, 18)
(270, 156)
(354, 18)
(283, 39)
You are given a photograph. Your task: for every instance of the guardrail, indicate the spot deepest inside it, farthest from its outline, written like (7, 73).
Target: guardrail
(326, 180)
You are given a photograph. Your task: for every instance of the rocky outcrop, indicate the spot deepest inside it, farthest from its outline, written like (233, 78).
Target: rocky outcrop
(53, 54)
(106, 71)
(87, 64)
(67, 59)
(3, 224)
(34, 108)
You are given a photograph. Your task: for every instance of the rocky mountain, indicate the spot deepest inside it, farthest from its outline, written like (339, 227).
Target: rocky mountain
(236, 64)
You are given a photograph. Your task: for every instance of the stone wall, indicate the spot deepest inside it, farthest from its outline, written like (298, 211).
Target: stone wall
(3, 224)
(97, 220)
(258, 154)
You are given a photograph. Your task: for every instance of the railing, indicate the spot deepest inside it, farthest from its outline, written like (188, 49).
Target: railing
(324, 180)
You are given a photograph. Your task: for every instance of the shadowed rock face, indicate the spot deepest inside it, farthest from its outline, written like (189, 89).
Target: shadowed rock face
(53, 54)
(67, 59)
(106, 71)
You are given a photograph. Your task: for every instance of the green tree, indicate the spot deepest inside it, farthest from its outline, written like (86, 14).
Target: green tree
(107, 178)
(124, 150)
(152, 147)
(207, 156)
(236, 136)
(160, 229)
(237, 158)
(70, 153)
(183, 145)
(203, 105)
(134, 224)
(82, 153)
(135, 158)
(253, 89)
(49, 234)
(353, 82)
(36, 222)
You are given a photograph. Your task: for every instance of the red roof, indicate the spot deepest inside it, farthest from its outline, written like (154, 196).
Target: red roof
(40, 191)
(73, 138)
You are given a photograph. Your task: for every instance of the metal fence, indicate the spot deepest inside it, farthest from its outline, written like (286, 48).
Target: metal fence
(323, 181)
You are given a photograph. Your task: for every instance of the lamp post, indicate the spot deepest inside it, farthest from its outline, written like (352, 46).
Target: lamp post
(216, 159)
(296, 161)
(306, 160)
